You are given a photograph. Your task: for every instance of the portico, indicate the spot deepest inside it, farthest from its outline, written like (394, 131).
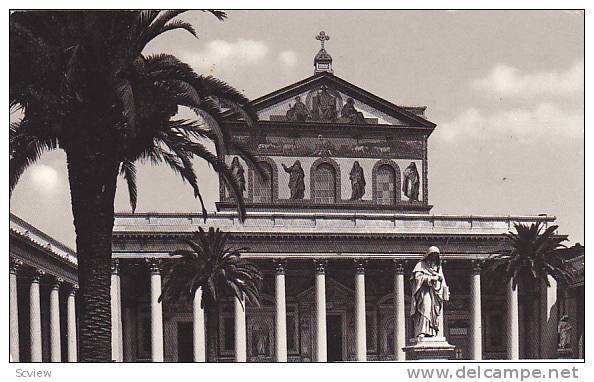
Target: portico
(320, 306)
(42, 304)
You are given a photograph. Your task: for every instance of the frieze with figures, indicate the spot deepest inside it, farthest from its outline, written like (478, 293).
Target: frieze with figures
(323, 104)
(343, 147)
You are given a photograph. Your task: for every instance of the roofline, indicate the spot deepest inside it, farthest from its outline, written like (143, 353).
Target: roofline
(28, 227)
(268, 99)
(412, 216)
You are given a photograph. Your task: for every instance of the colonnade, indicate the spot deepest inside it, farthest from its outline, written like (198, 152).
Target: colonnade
(199, 330)
(34, 277)
(320, 345)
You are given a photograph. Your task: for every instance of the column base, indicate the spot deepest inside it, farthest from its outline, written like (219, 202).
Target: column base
(429, 348)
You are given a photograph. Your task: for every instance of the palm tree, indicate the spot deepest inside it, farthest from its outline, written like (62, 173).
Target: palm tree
(84, 86)
(532, 257)
(216, 269)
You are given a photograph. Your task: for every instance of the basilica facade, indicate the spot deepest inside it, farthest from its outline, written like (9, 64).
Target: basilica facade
(335, 226)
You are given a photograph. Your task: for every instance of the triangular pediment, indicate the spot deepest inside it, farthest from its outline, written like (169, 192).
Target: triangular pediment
(325, 98)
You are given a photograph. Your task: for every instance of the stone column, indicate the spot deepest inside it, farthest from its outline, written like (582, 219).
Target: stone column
(55, 340)
(513, 328)
(399, 311)
(321, 346)
(549, 318)
(71, 323)
(360, 325)
(156, 313)
(240, 331)
(199, 332)
(14, 310)
(116, 313)
(281, 311)
(35, 318)
(476, 335)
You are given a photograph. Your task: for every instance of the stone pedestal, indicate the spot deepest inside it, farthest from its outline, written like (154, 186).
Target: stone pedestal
(566, 353)
(429, 348)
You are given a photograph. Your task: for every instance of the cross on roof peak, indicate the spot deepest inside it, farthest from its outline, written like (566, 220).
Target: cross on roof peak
(322, 37)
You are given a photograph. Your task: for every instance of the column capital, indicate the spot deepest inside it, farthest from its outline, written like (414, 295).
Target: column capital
(15, 265)
(73, 290)
(360, 266)
(477, 266)
(154, 266)
(399, 265)
(280, 265)
(115, 266)
(320, 265)
(56, 282)
(37, 275)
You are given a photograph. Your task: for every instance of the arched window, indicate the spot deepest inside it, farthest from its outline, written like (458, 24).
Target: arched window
(385, 185)
(324, 182)
(263, 187)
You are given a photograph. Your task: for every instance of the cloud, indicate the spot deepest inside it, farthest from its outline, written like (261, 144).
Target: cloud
(44, 177)
(508, 81)
(545, 119)
(288, 58)
(220, 54)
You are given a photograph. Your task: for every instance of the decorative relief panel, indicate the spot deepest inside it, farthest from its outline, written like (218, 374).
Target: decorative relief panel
(345, 147)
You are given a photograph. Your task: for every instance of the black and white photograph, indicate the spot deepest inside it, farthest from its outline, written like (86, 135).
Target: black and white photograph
(405, 187)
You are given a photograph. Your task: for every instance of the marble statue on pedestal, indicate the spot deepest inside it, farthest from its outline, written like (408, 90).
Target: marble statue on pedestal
(429, 291)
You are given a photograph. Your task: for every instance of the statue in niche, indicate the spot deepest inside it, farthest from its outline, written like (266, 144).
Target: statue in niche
(296, 183)
(298, 112)
(564, 331)
(411, 182)
(349, 111)
(260, 341)
(357, 181)
(238, 173)
(323, 106)
(390, 339)
(305, 330)
(429, 291)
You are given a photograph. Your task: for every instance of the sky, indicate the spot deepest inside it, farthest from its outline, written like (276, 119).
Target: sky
(505, 89)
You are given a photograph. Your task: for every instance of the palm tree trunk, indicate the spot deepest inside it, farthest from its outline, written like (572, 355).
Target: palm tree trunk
(93, 177)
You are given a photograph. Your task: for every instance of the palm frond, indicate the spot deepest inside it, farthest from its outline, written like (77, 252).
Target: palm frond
(212, 266)
(128, 171)
(532, 254)
(221, 15)
(125, 94)
(25, 149)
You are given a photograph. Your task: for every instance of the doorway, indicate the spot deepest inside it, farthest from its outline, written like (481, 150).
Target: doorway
(185, 341)
(334, 332)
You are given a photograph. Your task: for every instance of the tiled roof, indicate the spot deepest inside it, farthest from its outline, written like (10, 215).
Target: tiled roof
(41, 240)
